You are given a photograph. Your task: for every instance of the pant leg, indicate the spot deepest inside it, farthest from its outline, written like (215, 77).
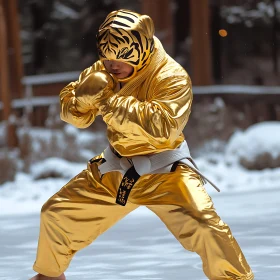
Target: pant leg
(75, 216)
(182, 203)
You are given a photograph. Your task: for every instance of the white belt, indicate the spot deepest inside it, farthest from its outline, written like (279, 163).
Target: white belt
(151, 164)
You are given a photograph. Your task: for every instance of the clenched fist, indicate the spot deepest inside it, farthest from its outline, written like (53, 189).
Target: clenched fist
(96, 87)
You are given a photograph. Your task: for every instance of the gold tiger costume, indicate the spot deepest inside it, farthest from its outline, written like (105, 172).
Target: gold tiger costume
(144, 118)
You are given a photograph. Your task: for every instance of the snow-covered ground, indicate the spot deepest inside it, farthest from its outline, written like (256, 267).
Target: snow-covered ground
(140, 247)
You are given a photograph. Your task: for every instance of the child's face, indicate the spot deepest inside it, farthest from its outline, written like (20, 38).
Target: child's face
(119, 69)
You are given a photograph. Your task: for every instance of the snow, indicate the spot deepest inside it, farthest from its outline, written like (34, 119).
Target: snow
(258, 139)
(50, 78)
(237, 14)
(56, 167)
(62, 11)
(67, 142)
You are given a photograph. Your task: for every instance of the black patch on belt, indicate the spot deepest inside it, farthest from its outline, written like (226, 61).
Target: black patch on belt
(128, 181)
(101, 160)
(174, 166)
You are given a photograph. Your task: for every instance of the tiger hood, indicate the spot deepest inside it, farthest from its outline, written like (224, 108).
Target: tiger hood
(128, 37)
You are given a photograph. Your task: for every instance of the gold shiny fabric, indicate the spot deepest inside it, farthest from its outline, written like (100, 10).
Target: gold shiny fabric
(85, 208)
(147, 115)
(128, 37)
(97, 86)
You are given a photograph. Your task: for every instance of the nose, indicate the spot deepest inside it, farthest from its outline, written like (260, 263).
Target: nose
(115, 65)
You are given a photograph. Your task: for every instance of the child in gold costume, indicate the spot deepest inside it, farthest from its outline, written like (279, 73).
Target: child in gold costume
(145, 98)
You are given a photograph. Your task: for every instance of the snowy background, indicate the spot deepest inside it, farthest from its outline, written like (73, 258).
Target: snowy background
(140, 247)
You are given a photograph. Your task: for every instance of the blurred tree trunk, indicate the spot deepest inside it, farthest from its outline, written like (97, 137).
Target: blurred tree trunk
(201, 44)
(163, 20)
(5, 82)
(275, 30)
(216, 42)
(14, 46)
(181, 23)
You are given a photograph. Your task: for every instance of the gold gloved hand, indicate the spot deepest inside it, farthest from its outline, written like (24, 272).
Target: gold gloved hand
(96, 87)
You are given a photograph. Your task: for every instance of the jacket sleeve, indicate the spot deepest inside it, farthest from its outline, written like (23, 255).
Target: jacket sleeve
(159, 120)
(70, 111)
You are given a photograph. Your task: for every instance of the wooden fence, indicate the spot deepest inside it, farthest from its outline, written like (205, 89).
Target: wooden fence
(217, 110)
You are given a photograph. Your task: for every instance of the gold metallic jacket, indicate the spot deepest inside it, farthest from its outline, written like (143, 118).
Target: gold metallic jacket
(147, 115)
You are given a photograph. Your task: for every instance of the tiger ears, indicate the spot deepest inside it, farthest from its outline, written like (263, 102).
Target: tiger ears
(146, 25)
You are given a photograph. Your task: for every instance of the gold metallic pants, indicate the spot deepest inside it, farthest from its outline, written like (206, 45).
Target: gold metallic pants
(85, 208)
